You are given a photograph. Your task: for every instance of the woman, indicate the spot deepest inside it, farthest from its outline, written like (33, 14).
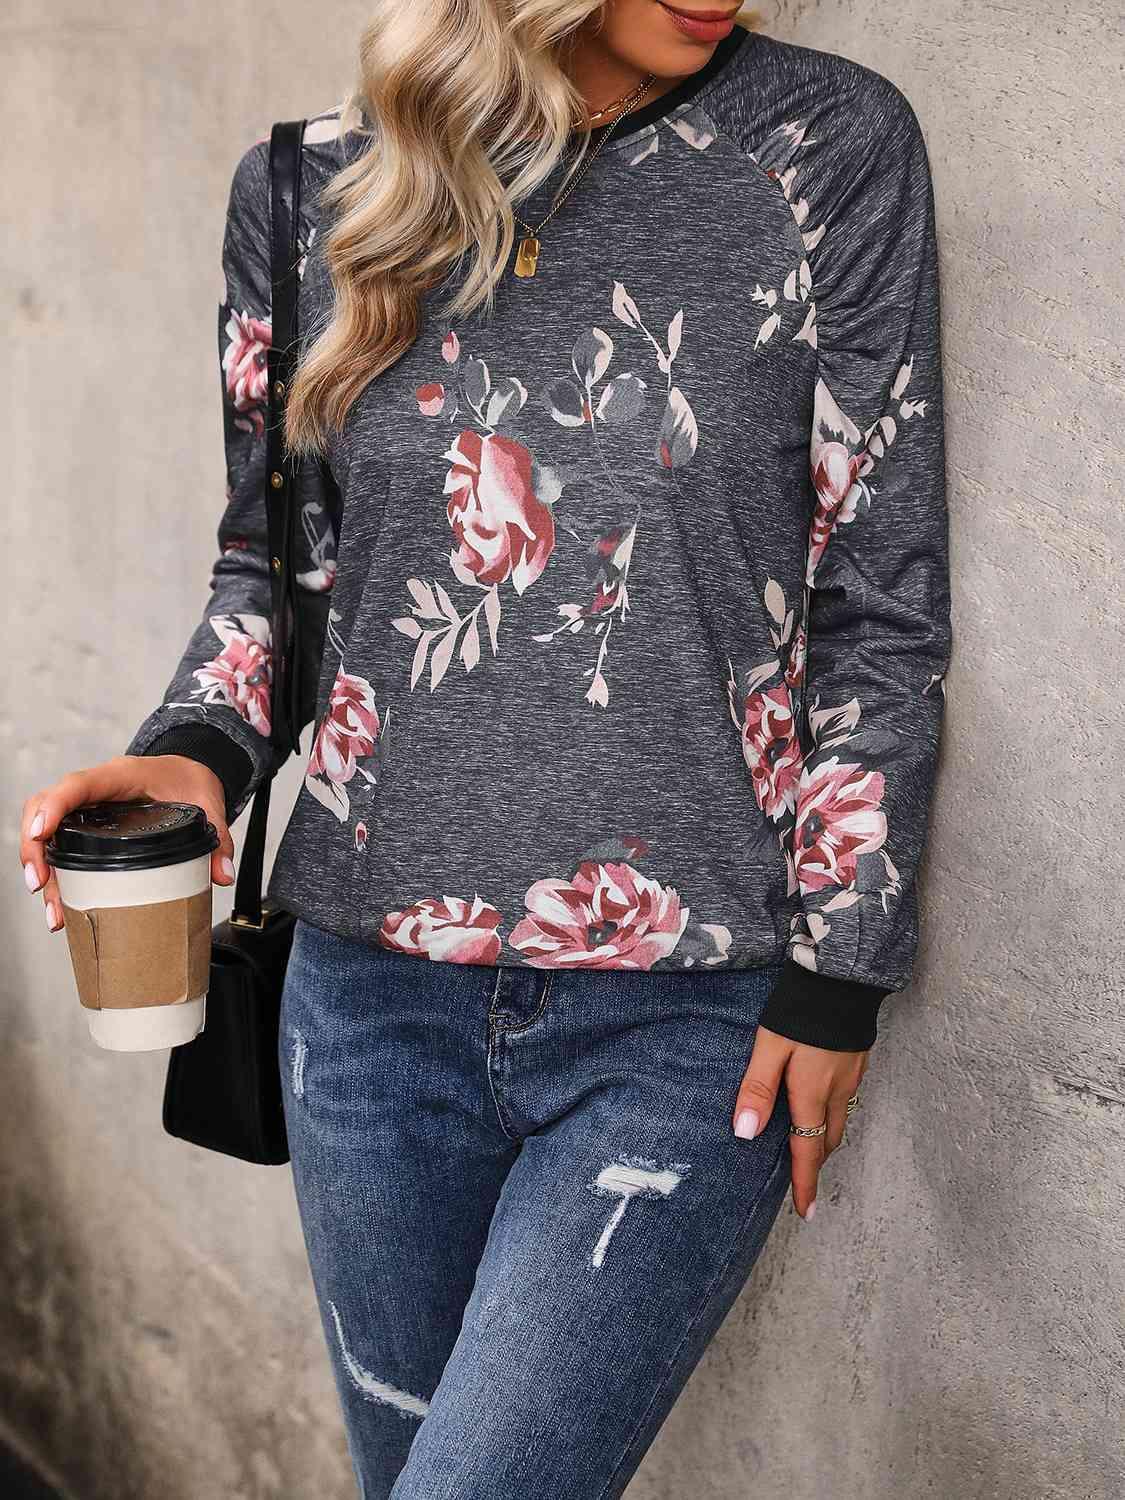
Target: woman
(625, 576)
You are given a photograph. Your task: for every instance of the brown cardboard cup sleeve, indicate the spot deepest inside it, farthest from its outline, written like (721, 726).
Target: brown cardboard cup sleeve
(127, 956)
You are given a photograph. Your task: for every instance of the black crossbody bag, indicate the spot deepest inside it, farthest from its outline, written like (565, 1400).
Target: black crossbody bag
(223, 1089)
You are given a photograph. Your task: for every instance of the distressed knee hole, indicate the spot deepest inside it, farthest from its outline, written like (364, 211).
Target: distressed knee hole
(370, 1385)
(628, 1178)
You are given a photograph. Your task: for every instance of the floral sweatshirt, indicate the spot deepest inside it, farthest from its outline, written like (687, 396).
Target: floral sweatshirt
(627, 605)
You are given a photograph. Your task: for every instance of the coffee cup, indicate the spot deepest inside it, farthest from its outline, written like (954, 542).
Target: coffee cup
(134, 879)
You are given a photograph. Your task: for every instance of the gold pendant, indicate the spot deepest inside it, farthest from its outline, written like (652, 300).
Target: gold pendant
(527, 256)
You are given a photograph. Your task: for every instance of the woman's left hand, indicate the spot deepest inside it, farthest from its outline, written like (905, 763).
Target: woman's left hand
(819, 1084)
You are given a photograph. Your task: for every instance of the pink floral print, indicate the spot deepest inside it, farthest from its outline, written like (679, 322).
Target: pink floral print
(839, 817)
(244, 366)
(240, 674)
(609, 916)
(502, 528)
(499, 511)
(449, 930)
(347, 734)
(771, 751)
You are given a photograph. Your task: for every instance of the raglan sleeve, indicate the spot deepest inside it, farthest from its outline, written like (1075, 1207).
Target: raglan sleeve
(216, 706)
(878, 632)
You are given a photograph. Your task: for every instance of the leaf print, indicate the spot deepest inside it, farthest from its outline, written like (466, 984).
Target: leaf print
(470, 646)
(706, 943)
(441, 656)
(476, 383)
(902, 379)
(841, 457)
(678, 432)
(418, 665)
(610, 556)
(694, 127)
(304, 246)
(807, 331)
(622, 399)
(567, 403)
(591, 357)
(798, 284)
(505, 401)
(445, 603)
(624, 307)
(833, 726)
(650, 146)
(675, 331)
(423, 597)
(408, 625)
(774, 598)
(492, 617)
(767, 330)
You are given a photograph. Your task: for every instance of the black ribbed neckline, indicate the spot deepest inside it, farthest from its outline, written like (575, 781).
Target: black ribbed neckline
(687, 88)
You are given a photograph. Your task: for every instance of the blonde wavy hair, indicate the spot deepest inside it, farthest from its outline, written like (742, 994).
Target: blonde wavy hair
(466, 107)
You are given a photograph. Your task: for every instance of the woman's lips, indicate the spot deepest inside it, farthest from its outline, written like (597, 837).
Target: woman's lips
(701, 25)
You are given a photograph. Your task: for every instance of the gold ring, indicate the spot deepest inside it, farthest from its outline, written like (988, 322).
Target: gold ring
(852, 1103)
(808, 1129)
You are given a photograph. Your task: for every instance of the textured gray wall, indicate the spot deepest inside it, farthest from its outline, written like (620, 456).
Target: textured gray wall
(952, 1323)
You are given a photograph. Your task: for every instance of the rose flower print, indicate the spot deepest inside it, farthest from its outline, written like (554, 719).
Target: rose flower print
(609, 916)
(839, 817)
(244, 363)
(240, 675)
(449, 930)
(502, 528)
(347, 734)
(771, 750)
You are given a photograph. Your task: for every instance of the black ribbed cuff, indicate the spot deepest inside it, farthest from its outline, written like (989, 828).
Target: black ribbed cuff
(822, 1011)
(212, 748)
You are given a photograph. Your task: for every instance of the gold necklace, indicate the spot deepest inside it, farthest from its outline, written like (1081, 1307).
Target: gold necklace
(605, 109)
(527, 254)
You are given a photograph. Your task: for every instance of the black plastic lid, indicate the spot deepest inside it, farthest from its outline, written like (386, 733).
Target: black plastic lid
(130, 836)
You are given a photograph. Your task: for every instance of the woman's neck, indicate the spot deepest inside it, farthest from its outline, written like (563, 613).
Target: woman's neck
(603, 78)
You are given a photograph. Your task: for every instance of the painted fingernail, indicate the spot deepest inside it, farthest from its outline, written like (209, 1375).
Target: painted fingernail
(810, 1211)
(52, 915)
(37, 826)
(227, 867)
(30, 876)
(746, 1124)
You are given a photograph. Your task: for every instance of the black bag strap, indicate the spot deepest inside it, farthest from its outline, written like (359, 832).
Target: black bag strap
(282, 468)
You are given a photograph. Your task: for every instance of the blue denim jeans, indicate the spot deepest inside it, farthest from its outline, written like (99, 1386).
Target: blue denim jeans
(525, 1209)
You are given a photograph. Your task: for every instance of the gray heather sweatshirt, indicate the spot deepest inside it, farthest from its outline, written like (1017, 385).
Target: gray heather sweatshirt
(627, 607)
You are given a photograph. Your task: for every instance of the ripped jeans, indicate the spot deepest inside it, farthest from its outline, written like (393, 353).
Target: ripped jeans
(525, 1209)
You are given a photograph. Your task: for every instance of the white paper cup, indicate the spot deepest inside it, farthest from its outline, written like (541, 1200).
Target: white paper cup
(135, 883)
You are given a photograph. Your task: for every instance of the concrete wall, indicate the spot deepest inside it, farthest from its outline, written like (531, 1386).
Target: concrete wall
(951, 1324)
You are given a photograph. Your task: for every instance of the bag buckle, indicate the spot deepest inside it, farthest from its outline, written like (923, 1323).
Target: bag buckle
(236, 919)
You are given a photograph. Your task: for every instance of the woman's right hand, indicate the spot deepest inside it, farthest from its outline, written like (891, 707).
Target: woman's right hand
(125, 778)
